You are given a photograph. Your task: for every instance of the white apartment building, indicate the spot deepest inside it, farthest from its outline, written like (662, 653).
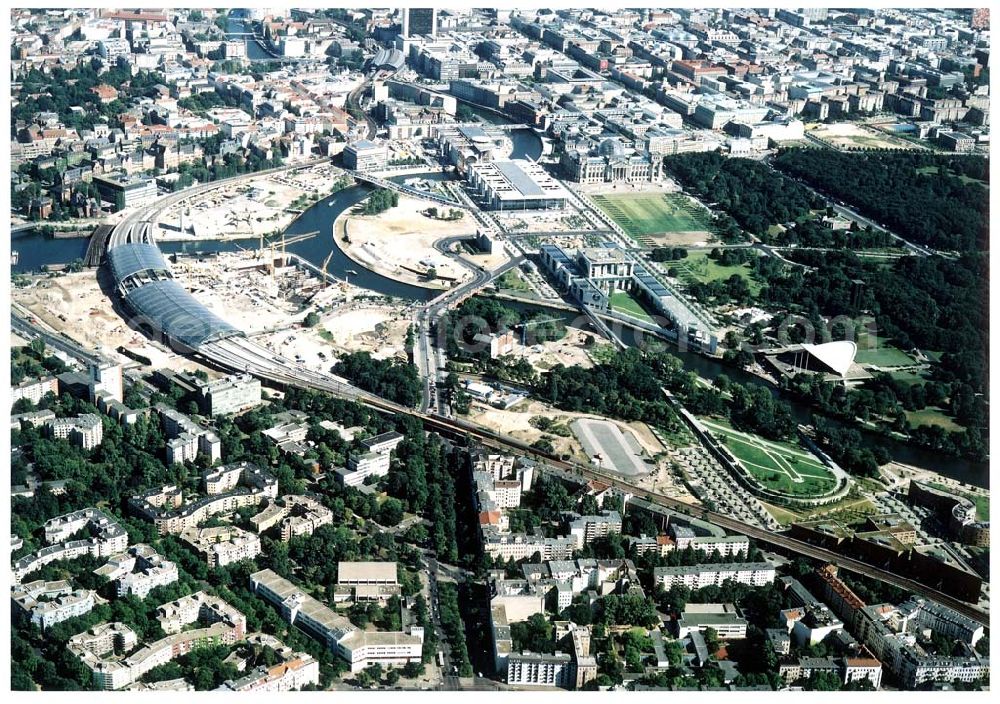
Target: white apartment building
(34, 389)
(48, 603)
(727, 546)
(756, 574)
(519, 546)
(107, 538)
(360, 467)
(230, 394)
(383, 442)
(585, 529)
(541, 670)
(140, 570)
(86, 431)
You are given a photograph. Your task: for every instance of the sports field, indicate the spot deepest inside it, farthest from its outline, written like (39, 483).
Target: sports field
(642, 215)
(777, 466)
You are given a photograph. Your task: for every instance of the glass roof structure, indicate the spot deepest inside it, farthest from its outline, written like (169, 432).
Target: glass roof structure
(168, 307)
(128, 259)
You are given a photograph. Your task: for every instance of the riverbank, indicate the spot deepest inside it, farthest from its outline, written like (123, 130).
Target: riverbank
(399, 243)
(258, 207)
(403, 243)
(898, 476)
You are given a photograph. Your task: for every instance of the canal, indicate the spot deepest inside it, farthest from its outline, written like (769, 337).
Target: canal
(35, 250)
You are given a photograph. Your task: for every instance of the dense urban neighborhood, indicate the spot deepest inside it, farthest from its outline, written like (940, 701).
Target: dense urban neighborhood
(500, 349)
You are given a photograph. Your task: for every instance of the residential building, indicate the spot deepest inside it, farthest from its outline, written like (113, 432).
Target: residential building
(755, 574)
(106, 538)
(86, 431)
(138, 571)
(541, 670)
(48, 603)
(230, 394)
(222, 545)
(587, 529)
(34, 389)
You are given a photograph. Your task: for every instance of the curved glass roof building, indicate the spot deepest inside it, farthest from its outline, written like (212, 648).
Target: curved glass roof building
(146, 284)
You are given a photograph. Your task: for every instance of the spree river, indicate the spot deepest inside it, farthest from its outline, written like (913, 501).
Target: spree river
(36, 250)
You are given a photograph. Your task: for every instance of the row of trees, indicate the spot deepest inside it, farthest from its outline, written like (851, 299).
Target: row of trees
(630, 386)
(817, 233)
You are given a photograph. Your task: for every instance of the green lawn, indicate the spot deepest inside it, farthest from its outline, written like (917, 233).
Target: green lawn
(513, 281)
(782, 515)
(698, 266)
(644, 214)
(778, 466)
(624, 302)
(933, 416)
(873, 349)
(927, 170)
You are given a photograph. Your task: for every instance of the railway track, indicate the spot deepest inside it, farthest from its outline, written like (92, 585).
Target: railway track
(241, 354)
(263, 363)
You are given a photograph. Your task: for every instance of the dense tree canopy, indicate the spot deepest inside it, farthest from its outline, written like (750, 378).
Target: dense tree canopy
(920, 195)
(746, 189)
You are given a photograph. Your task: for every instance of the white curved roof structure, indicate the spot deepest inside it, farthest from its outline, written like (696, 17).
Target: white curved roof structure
(838, 355)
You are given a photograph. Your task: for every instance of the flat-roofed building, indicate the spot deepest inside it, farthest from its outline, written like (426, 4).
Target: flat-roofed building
(538, 669)
(727, 546)
(726, 619)
(125, 192)
(86, 430)
(368, 581)
(361, 466)
(516, 185)
(230, 394)
(365, 156)
(359, 648)
(756, 574)
(34, 389)
(383, 442)
(587, 529)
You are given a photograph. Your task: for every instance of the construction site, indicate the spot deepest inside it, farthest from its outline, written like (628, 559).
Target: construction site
(251, 209)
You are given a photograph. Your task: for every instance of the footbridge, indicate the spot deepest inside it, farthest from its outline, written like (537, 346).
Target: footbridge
(408, 190)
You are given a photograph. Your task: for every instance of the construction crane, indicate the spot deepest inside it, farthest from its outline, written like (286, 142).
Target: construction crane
(285, 241)
(326, 263)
